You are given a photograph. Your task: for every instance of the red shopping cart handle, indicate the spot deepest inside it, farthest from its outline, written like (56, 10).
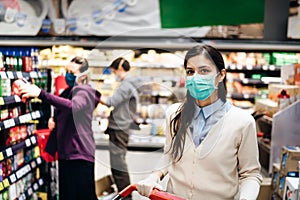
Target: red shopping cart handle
(154, 195)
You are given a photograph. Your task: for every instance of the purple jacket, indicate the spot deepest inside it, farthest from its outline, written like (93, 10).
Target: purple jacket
(73, 120)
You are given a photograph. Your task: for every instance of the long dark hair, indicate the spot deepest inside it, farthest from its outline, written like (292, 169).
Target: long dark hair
(184, 115)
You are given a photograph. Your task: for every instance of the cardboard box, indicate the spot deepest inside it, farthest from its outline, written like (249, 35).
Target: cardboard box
(280, 185)
(275, 89)
(275, 176)
(265, 189)
(267, 106)
(291, 188)
(104, 186)
(290, 155)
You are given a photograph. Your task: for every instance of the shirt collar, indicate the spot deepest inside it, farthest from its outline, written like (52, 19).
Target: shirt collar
(208, 110)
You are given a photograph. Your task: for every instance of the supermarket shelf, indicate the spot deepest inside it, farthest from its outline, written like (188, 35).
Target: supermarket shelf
(149, 42)
(136, 142)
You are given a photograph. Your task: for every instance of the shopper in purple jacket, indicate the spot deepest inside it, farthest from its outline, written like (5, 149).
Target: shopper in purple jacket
(74, 136)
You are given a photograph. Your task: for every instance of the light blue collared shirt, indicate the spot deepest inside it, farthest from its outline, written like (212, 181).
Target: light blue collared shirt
(205, 118)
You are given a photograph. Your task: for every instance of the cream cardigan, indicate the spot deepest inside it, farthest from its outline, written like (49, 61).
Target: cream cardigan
(215, 169)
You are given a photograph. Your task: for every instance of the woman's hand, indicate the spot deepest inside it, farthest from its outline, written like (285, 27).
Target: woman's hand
(29, 90)
(51, 123)
(146, 186)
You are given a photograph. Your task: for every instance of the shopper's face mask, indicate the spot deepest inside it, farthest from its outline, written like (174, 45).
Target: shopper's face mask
(70, 79)
(201, 86)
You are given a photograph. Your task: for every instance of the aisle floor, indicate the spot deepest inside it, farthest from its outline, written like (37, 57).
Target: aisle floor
(140, 165)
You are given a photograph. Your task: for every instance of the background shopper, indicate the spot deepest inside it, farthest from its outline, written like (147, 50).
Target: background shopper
(211, 147)
(124, 102)
(74, 136)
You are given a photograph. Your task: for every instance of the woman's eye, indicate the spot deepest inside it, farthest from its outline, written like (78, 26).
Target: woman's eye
(190, 72)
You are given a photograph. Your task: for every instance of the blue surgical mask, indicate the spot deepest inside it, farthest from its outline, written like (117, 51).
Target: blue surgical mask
(201, 86)
(70, 79)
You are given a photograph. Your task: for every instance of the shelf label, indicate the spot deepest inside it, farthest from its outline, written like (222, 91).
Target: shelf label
(39, 160)
(12, 178)
(239, 67)
(245, 81)
(22, 119)
(9, 152)
(10, 75)
(41, 182)
(5, 183)
(3, 75)
(33, 164)
(1, 101)
(27, 142)
(38, 114)
(35, 186)
(9, 123)
(30, 191)
(246, 96)
(33, 114)
(19, 174)
(1, 186)
(1, 156)
(249, 67)
(17, 98)
(22, 197)
(33, 140)
(19, 74)
(33, 75)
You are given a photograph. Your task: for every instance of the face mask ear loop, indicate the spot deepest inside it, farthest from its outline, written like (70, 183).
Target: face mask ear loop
(216, 87)
(85, 73)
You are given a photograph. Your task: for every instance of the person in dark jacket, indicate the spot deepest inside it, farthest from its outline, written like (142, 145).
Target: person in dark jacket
(74, 136)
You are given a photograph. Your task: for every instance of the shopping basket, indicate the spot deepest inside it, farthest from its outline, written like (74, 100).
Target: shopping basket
(154, 195)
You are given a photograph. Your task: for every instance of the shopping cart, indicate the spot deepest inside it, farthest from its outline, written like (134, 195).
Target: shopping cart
(154, 195)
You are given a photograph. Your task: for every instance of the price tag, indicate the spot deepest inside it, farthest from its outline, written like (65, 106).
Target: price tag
(10, 75)
(265, 67)
(3, 75)
(27, 169)
(19, 174)
(27, 117)
(33, 164)
(33, 115)
(17, 98)
(232, 66)
(41, 182)
(22, 119)
(9, 152)
(35, 186)
(9, 123)
(27, 142)
(33, 75)
(39, 74)
(39, 160)
(19, 74)
(272, 67)
(5, 183)
(12, 178)
(239, 67)
(22, 197)
(245, 81)
(1, 156)
(249, 67)
(1, 186)
(29, 191)
(33, 140)
(38, 114)
(246, 96)
(1, 101)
